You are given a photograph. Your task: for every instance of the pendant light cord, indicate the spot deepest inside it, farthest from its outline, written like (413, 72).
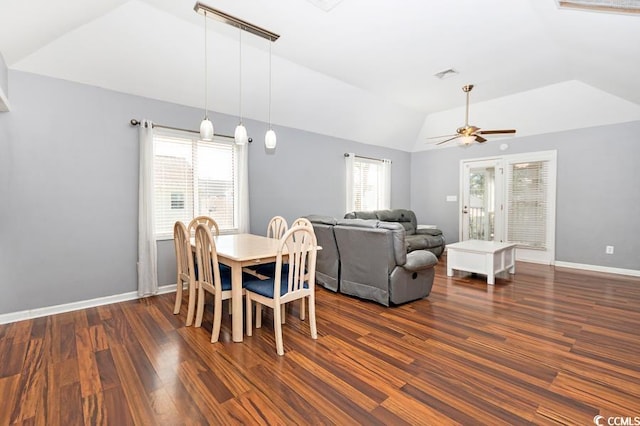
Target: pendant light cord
(206, 74)
(270, 43)
(240, 73)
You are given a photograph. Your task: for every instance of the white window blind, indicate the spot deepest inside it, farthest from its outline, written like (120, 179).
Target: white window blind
(194, 178)
(527, 205)
(368, 183)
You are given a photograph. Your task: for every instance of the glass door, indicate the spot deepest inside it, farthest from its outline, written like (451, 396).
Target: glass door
(481, 196)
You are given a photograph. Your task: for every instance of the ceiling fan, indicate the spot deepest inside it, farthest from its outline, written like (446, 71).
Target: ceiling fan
(469, 134)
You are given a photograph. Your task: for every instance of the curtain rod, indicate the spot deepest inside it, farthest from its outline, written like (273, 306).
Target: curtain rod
(346, 154)
(135, 122)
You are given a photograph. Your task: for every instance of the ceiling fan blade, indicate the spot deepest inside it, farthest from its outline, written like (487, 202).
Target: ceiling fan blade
(447, 140)
(495, 132)
(480, 139)
(441, 136)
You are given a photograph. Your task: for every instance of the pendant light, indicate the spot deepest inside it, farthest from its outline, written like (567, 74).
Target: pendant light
(240, 134)
(270, 137)
(206, 126)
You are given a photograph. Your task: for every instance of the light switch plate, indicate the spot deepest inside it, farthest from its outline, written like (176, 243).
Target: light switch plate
(452, 198)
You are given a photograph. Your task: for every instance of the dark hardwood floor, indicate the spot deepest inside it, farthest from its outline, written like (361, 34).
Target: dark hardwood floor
(547, 346)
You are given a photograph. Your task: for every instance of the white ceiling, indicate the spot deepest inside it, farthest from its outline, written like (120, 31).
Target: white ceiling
(362, 71)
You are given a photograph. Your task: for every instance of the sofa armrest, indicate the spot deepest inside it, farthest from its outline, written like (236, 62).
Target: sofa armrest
(419, 260)
(428, 231)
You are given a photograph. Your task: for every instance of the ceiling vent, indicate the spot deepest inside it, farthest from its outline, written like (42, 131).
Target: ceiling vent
(611, 6)
(446, 74)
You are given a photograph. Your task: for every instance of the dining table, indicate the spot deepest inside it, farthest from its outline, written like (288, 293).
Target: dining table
(238, 251)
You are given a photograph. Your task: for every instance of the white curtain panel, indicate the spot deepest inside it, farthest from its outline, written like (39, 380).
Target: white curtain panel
(385, 185)
(147, 253)
(243, 188)
(348, 162)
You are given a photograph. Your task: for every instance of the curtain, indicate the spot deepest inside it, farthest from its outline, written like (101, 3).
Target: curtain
(243, 188)
(147, 255)
(349, 200)
(385, 185)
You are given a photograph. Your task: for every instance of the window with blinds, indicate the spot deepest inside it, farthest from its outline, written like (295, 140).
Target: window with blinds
(368, 183)
(193, 178)
(527, 204)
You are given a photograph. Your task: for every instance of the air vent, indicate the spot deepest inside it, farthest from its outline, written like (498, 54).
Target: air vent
(446, 74)
(611, 6)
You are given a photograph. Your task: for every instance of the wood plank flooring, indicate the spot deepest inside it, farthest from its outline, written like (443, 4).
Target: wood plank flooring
(546, 346)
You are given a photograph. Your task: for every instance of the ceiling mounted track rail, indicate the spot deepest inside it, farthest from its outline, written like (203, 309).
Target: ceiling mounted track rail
(221, 16)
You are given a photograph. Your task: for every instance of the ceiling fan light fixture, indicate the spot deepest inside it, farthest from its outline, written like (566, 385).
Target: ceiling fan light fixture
(467, 140)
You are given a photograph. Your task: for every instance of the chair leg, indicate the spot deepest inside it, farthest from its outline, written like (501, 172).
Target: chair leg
(176, 307)
(277, 327)
(283, 312)
(312, 316)
(248, 315)
(217, 318)
(192, 303)
(258, 315)
(230, 306)
(200, 311)
(302, 310)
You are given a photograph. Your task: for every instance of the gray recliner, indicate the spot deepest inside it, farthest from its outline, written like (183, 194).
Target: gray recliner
(328, 259)
(375, 265)
(417, 239)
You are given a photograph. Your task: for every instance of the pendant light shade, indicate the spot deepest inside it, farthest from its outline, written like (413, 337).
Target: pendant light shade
(270, 139)
(467, 140)
(206, 126)
(206, 129)
(240, 135)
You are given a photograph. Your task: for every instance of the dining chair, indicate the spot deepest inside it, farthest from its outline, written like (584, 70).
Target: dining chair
(275, 229)
(185, 270)
(302, 221)
(209, 221)
(297, 282)
(210, 279)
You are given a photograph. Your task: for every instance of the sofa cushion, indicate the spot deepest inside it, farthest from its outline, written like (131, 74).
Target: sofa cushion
(406, 218)
(361, 215)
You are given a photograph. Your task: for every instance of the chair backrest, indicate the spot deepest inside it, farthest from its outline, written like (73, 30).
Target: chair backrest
(302, 221)
(277, 227)
(301, 246)
(207, 257)
(209, 221)
(184, 255)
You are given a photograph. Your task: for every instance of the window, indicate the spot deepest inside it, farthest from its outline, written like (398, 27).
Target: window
(368, 183)
(193, 178)
(527, 185)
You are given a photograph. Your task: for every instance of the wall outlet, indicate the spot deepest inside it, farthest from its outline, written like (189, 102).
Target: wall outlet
(608, 250)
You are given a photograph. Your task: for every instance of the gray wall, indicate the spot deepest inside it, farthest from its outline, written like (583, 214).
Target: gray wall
(69, 183)
(4, 77)
(598, 190)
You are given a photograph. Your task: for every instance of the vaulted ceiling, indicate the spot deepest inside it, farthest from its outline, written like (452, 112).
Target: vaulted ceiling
(364, 70)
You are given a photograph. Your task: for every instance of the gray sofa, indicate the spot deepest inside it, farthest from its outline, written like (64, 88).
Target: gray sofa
(417, 239)
(368, 259)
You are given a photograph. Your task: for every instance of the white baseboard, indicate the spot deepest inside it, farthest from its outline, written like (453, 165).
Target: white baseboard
(597, 268)
(74, 306)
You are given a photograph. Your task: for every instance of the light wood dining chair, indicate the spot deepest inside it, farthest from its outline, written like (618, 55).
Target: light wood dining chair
(210, 279)
(289, 284)
(185, 270)
(209, 221)
(275, 229)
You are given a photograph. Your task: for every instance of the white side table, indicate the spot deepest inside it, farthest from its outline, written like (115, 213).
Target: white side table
(481, 257)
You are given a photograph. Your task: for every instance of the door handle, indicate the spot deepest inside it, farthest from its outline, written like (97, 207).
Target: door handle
(464, 210)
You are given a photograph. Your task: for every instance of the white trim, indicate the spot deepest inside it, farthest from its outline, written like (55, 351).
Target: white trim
(74, 306)
(598, 268)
